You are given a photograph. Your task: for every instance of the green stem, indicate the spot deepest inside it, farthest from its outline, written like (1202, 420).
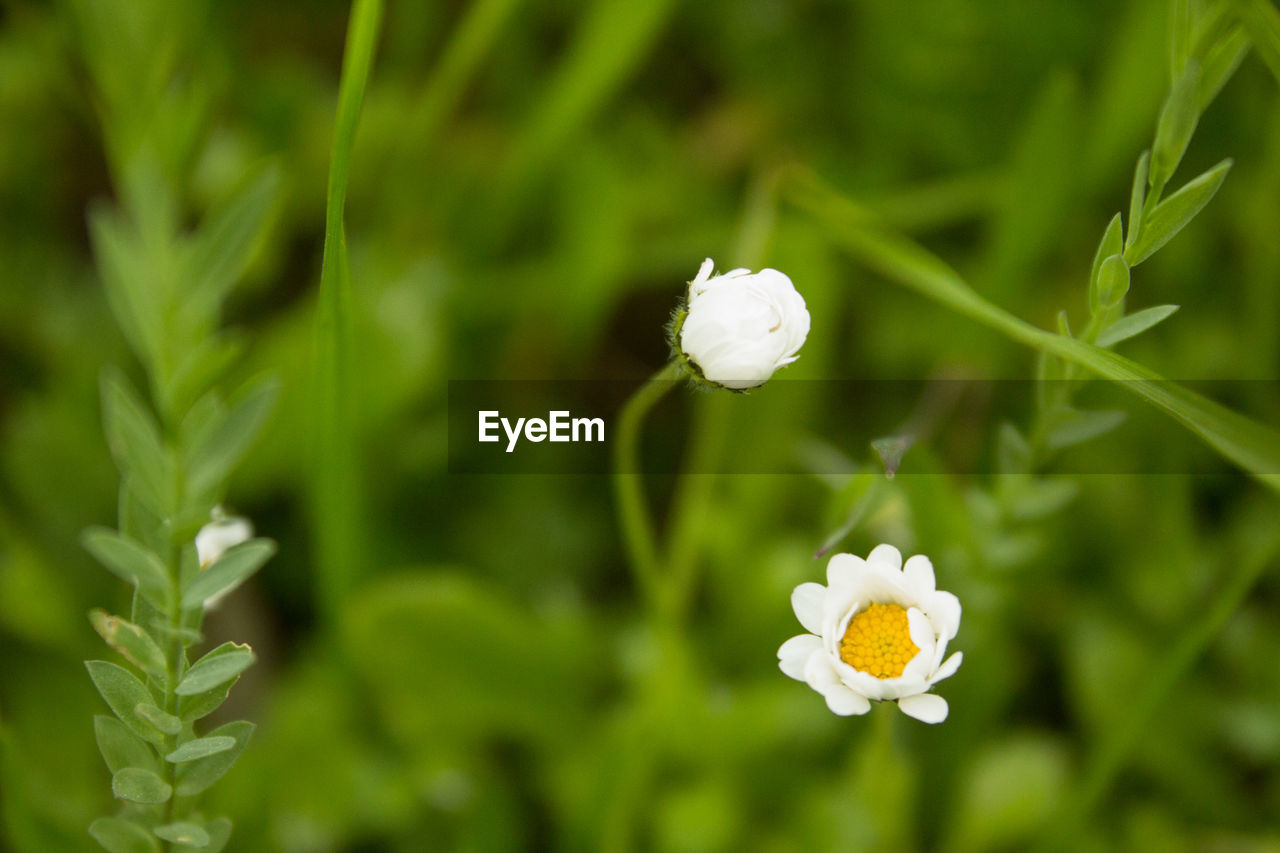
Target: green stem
(338, 529)
(1111, 754)
(634, 518)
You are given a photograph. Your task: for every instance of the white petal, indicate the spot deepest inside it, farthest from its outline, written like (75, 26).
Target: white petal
(806, 601)
(843, 569)
(925, 707)
(948, 669)
(845, 702)
(820, 674)
(944, 612)
(921, 629)
(704, 271)
(794, 654)
(216, 537)
(860, 682)
(886, 555)
(920, 666)
(919, 578)
(841, 603)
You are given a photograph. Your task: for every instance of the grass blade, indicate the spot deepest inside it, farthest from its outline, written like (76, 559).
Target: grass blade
(335, 477)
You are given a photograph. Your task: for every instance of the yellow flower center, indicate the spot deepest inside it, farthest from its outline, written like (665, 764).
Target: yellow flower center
(878, 641)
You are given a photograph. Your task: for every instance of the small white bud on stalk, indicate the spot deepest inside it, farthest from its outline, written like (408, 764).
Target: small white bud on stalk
(736, 329)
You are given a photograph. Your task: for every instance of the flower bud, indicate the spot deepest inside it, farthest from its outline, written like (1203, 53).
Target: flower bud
(737, 328)
(220, 534)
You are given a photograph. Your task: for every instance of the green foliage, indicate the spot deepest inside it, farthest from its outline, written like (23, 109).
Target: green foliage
(515, 190)
(233, 568)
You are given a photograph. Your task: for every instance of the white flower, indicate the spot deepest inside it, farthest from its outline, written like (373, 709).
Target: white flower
(220, 534)
(742, 326)
(879, 630)
(214, 539)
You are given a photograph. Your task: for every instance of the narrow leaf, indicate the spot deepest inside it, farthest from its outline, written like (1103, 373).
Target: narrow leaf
(222, 245)
(222, 448)
(123, 692)
(1137, 200)
(131, 562)
(140, 786)
(1179, 37)
(213, 670)
(136, 444)
(191, 708)
(163, 722)
(1262, 21)
(121, 748)
(1134, 324)
(227, 572)
(1112, 243)
(1172, 214)
(1220, 63)
(195, 776)
(183, 832)
(1252, 446)
(1177, 123)
(199, 748)
(117, 835)
(129, 640)
(1076, 427)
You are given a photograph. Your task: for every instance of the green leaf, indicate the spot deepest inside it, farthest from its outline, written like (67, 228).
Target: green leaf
(1112, 243)
(1134, 324)
(1177, 123)
(1137, 200)
(1262, 21)
(131, 641)
(123, 692)
(1075, 427)
(1220, 63)
(118, 835)
(1172, 214)
(191, 708)
(120, 748)
(140, 786)
(131, 562)
(163, 722)
(219, 830)
(199, 748)
(136, 443)
(1252, 446)
(124, 277)
(1110, 285)
(218, 666)
(1039, 497)
(1013, 453)
(1179, 37)
(201, 366)
(195, 776)
(230, 570)
(183, 832)
(222, 246)
(221, 449)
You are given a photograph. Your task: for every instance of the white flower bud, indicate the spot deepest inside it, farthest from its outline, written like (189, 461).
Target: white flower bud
(739, 327)
(219, 535)
(214, 539)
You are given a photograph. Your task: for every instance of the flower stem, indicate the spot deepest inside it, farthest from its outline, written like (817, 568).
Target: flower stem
(634, 518)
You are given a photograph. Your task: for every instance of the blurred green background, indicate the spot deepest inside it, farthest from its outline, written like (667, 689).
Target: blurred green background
(532, 183)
